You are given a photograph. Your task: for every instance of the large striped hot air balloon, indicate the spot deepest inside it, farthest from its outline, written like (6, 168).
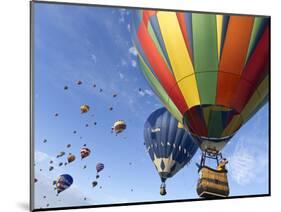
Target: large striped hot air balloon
(170, 147)
(210, 71)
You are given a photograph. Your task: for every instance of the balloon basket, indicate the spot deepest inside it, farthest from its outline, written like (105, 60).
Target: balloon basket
(212, 183)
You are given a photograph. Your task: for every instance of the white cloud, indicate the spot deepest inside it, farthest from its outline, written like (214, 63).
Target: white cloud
(133, 51)
(141, 93)
(121, 76)
(148, 92)
(247, 162)
(70, 197)
(124, 62)
(145, 92)
(94, 58)
(129, 27)
(42, 157)
(134, 63)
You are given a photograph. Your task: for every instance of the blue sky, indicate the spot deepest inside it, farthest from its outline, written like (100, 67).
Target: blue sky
(94, 45)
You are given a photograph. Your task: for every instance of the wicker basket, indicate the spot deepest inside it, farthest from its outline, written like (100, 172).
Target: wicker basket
(212, 183)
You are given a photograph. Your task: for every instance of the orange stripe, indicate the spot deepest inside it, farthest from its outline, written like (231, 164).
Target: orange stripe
(233, 57)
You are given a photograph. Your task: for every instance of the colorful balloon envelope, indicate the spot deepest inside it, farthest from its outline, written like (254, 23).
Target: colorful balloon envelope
(84, 108)
(119, 126)
(63, 182)
(210, 71)
(85, 152)
(170, 146)
(70, 158)
(99, 167)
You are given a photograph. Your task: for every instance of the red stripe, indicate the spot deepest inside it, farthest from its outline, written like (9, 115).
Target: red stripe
(147, 14)
(255, 71)
(160, 69)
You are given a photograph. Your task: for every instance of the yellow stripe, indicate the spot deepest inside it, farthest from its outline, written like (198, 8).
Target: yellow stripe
(219, 31)
(179, 57)
(232, 126)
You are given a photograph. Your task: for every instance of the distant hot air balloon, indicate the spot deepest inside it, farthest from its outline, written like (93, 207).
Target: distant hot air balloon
(63, 182)
(169, 147)
(99, 167)
(65, 87)
(210, 71)
(94, 183)
(60, 154)
(85, 152)
(70, 158)
(119, 126)
(84, 108)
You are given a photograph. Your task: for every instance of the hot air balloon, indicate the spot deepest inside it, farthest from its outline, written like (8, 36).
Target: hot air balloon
(169, 147)
(65, 87)
(99, 167)
(94, 183)
(84, 108)
(85, 152)
(210, 71)
(70, 158)
(119, 126)
(63, 182)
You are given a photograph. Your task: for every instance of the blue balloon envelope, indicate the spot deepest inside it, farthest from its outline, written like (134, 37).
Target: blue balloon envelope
(64, 181)
(170, 146)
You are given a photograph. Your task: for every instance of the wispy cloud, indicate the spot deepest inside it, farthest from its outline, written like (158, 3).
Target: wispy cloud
(248, 161)
(94, 58)
(121, 76)
(145, 92)
(134, 63)
(71, 197)
(133, 51)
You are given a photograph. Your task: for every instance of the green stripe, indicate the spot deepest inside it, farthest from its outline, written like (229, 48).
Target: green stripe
(159, 91)
(154, 38)
(205, 55)
(215, 126)
(257, 24)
